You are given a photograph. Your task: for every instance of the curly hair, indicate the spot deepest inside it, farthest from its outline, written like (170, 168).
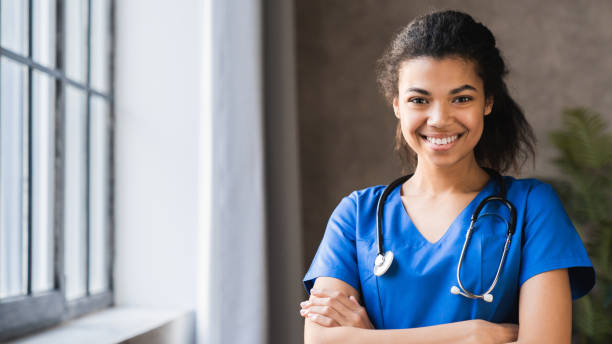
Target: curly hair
(507, 140)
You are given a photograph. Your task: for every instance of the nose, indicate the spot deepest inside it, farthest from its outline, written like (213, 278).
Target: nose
(438, 116)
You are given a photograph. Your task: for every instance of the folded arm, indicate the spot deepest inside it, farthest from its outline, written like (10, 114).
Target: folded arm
(545, 315)
(459, 332)
(324, 323)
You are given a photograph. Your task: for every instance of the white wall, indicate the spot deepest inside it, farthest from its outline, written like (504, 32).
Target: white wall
(238, 290)
(157, 110)
(190, 214)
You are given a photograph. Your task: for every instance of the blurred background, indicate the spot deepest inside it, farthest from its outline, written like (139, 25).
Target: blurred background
(168, 168)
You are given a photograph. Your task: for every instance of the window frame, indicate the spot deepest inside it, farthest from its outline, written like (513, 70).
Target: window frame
(22, 315)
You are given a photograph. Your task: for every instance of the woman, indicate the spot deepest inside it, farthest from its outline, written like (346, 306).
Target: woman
(457, 125)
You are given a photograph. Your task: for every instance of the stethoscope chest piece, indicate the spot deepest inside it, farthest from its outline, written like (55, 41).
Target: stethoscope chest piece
(382, 263)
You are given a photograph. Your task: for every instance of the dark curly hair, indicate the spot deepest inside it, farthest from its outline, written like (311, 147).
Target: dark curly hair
(507, 140)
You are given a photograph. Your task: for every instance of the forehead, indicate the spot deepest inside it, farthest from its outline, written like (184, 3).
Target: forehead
(438, 74)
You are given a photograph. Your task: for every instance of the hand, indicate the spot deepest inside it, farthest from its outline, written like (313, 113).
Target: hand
(484, 332)
(331, 308)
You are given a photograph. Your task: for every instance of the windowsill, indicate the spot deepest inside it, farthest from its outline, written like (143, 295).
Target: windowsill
(120, 324)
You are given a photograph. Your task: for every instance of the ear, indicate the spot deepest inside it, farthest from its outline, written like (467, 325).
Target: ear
(396, 107)
(488, 105)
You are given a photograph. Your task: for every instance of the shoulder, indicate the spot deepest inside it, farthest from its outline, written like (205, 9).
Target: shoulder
(360, 200)
(358, 205)
(362, 196)
(537, 200)
(364, 200)
(367, 195)
(529, 189)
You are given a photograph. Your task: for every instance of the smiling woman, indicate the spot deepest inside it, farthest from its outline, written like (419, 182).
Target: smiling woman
(441, 108)
(391, 257)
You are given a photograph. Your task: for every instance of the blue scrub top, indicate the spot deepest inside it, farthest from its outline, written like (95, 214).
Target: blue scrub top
(415, 291)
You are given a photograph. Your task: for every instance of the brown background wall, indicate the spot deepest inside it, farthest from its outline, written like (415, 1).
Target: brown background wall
(559, 54)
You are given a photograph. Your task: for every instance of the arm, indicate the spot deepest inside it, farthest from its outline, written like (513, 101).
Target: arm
(459, 332)
(317, 327)
(545, 309)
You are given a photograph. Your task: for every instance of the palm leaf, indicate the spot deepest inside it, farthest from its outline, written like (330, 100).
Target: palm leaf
(585, 159)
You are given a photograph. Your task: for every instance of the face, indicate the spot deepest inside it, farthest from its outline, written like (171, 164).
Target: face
(441, 106)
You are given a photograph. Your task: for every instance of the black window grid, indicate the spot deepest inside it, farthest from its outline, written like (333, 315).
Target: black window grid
(25, 314)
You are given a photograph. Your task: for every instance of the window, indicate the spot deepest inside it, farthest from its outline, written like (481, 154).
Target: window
(55, 161)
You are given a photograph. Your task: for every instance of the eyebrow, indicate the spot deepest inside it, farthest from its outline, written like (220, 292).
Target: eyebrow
(418, 90)
(462, 88)
(453, 91)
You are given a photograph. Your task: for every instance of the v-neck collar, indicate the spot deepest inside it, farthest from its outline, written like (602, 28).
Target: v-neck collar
(461, 220)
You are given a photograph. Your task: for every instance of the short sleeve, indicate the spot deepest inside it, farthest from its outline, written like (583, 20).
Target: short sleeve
(551, 242)
(336, 256)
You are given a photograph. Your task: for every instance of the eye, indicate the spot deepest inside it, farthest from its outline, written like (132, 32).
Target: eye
(462, 99)
(417, 100)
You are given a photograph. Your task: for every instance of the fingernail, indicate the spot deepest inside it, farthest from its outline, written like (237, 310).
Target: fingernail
(303, 311)
(304, 303)
(311, 315)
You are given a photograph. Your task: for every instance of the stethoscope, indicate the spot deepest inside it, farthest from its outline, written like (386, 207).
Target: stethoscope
(383, 260)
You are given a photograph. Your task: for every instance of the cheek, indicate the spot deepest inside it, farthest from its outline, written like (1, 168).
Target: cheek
(477, 124)
(410, 124)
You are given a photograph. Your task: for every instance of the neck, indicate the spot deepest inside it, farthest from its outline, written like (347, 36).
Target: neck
(463, 177)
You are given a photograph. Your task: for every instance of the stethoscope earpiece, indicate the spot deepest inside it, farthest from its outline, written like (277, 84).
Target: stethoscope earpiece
(487, 297)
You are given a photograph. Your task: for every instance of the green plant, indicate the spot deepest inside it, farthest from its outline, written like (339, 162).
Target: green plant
(585, 160)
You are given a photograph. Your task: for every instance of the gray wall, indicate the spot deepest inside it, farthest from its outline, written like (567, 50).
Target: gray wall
(284, 223)
(559, 54)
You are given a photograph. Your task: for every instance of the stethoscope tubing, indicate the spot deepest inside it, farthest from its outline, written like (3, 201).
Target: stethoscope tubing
(380, 209)
(381, 266)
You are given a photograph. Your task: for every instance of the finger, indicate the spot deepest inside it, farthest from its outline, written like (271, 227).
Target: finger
(330, 308)
(362, 313)
(322, 320)
(327, 311)
(346, 316)
(325, 293)
(350, 310)
(335, 302)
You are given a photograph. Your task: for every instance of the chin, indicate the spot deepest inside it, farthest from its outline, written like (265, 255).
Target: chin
(444, 161)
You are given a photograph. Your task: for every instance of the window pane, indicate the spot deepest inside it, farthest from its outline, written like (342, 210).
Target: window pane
(100, 44)
(75, 31)
(13, 178)
(43, 153)
(75, 192)
(99, 195)
(15, 25)
(43, 35)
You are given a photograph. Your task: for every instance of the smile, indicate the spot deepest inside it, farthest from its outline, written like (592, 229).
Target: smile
(443, 140)
(441, 143)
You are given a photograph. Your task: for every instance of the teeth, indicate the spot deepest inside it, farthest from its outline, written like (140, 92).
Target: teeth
(442, 141)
